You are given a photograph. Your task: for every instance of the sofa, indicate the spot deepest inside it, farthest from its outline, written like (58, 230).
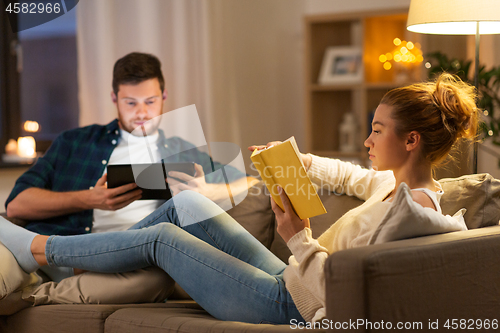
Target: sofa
(435, 282)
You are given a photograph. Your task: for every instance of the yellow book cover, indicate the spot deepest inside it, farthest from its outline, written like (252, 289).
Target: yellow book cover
(282, 165)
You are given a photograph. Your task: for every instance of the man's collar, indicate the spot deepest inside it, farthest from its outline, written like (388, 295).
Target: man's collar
(113, 127)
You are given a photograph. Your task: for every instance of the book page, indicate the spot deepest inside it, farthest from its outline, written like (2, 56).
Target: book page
(294, 145)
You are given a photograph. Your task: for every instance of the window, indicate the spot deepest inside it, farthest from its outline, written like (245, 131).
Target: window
(9, 84)
(46, 85)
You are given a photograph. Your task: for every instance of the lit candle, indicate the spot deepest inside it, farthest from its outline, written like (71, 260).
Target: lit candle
(26, 146)
(11, 147)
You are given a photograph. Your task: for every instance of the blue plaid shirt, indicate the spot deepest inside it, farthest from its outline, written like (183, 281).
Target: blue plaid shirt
(76, 160)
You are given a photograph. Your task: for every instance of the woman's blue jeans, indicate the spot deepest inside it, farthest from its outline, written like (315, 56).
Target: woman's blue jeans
(216, 261)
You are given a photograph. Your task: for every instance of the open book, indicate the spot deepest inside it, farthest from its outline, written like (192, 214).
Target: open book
(282, 165)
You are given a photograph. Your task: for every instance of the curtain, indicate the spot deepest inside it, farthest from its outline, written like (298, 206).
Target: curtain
(176, 31)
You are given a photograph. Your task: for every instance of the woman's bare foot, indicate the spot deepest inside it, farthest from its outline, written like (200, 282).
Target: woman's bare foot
(38, 249)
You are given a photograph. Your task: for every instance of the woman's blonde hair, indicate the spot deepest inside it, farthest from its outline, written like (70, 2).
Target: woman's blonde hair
(442, 111)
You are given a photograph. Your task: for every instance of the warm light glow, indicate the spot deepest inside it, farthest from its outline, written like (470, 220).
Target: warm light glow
(456, 28)
(26, 146)
(454, 17)
(405, 52)
(31, 126)
(490, 133)
(11, 147)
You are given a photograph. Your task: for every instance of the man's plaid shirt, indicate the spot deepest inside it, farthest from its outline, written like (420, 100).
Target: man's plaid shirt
(76, 160)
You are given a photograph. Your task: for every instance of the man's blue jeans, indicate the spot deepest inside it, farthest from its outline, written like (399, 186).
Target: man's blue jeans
(217, 262)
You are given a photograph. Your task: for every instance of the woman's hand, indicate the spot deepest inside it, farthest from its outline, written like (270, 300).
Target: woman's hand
(306, 159)
(260, 147)
(288, 223)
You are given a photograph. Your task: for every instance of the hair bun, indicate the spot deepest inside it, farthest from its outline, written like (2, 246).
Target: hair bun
(442, 111)
(456, 101)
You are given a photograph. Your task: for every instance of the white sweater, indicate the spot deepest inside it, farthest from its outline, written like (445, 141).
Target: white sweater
(304, 277)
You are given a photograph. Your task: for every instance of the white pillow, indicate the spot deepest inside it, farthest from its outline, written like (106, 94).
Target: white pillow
(15, 284)
(407, 219)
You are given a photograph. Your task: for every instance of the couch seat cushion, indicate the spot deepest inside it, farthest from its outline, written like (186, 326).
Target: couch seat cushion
(181, 320)
(74, 318)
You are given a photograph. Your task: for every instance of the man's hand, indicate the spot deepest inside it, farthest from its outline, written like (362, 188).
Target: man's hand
(180, 181)
(102, 197)
(288, 223)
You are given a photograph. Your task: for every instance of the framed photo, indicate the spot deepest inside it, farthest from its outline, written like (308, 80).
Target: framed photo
(341, 65)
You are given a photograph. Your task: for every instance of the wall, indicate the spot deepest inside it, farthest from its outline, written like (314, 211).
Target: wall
(257, 71)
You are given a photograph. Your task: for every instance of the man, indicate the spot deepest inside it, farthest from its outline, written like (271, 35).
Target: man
(65, 192)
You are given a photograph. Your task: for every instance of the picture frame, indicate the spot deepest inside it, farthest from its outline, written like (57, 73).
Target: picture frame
(341, 65)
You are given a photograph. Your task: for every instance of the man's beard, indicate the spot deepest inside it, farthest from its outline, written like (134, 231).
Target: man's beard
(148, 128)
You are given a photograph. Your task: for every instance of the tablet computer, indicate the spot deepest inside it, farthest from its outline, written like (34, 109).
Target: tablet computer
(150, 178)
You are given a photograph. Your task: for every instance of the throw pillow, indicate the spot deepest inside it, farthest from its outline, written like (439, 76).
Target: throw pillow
(480, 194)
(407, 219)
(254, 213)
(14, 283)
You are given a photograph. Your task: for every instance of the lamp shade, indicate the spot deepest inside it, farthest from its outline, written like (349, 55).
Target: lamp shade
(454, 17)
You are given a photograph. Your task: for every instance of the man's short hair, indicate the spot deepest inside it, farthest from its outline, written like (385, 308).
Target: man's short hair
(135, 68)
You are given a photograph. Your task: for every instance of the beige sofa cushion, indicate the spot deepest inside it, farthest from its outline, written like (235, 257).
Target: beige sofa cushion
(254, 213)
(479, 194)
(157, 320)
(14, 283)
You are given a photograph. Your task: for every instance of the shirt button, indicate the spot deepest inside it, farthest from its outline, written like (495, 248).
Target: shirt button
(87, 229)
(104, 162)
(113, 142)
(116, 132)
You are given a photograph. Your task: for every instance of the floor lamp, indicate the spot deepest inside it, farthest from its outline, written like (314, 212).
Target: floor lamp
(456, 17)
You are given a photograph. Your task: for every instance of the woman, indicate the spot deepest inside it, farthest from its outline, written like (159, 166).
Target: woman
(227, 271)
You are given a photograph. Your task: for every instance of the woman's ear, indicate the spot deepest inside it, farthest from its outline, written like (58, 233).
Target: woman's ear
(412, 140)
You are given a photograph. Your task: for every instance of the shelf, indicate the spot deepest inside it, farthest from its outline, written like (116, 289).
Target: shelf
(373, 32)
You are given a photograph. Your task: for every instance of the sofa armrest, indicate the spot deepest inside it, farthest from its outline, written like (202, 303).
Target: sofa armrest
(420, 280)
(20, 222)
